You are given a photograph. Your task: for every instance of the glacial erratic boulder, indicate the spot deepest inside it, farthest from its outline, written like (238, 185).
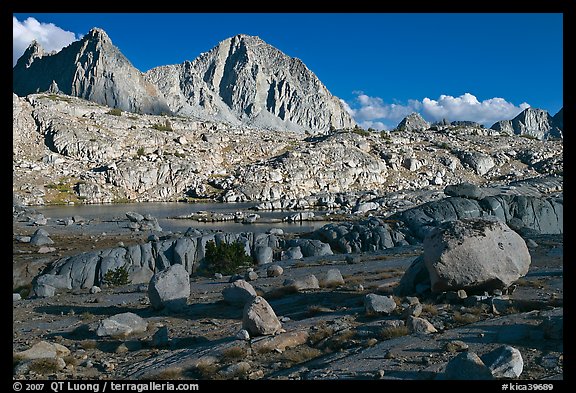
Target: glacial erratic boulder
(169, 288)
(474, 254)
(259, 319)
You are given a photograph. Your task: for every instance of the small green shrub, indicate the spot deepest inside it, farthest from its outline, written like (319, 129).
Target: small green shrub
(115, 112)
(140, 152)
(117, 277)
(226, 258)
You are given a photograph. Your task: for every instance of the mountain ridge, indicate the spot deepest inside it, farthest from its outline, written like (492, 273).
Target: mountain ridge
(91, 68)
(242, 80)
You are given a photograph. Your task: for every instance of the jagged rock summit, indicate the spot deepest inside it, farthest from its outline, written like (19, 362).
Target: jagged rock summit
(241, 81)
(245, 80)
(533, 122)
(413, 122)
(91, 68)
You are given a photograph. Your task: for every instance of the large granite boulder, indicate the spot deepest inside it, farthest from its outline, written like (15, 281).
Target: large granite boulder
(169, 288)
(259, 318)
(474, 254)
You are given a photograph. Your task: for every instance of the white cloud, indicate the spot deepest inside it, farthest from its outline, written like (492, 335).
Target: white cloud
(48, 35)
(374, 112)
(467, 107)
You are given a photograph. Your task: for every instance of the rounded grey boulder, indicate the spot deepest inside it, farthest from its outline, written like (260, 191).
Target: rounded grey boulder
(377, 304)
(169, 288)
(474, 254)
(238, 293)
(121, 325)
(259, 318)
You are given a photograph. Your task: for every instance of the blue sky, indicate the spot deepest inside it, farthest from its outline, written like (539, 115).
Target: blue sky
(472, 66)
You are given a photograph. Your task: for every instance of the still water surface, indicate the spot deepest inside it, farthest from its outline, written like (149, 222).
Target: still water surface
(112, 217)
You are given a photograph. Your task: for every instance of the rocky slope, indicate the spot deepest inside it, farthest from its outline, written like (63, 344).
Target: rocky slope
(71, 150)
(245, 80)
(91, 68)
(533, 122)
(242, 81)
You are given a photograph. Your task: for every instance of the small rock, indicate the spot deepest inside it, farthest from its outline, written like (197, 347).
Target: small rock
(455, 346)
(256, 375)
(40, 238)
(251, 276)
(392, 323)
(243, 335)
(531, 243)
(420, 325)
(218, 276)
(46, 250)
(412, 300)
(134, 217)
(95, 289)
(307, 282)
(504, 362)
(161, 339)
(16, 297)
(238, 293)
(333, 278)
(467, 366)
(412, 311)
(122, 348)
(44, 350)
(121, 325)
(274, 271)
(377, 304)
